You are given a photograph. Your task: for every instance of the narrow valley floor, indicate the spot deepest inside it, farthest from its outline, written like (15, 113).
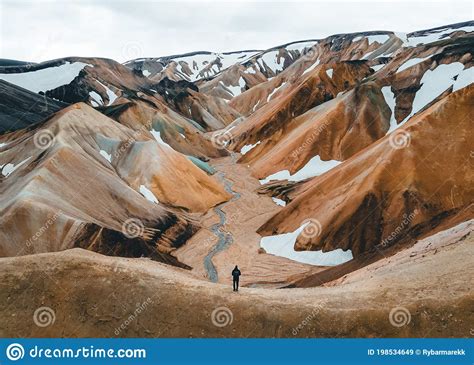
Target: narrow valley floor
(241, 218)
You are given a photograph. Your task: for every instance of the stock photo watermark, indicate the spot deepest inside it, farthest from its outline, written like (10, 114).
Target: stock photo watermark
(44, 317)
(222, 317)
(141, 307)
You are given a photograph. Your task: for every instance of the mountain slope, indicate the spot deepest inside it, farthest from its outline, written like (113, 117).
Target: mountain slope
(85, 175)
(401, 183)
(21, 108)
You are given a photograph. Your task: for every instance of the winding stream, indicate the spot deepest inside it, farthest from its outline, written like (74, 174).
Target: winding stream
(224, 239)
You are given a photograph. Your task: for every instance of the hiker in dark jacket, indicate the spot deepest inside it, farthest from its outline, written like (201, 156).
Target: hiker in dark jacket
(235, 277)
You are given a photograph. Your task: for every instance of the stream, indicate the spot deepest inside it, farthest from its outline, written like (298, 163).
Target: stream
(224, 239)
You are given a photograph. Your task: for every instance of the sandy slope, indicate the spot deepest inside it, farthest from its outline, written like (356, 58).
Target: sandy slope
(94, 295)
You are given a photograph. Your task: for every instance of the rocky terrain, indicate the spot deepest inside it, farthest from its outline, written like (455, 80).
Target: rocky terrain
(337, 173)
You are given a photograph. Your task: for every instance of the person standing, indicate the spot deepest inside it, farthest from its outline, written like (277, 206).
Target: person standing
(235, 276)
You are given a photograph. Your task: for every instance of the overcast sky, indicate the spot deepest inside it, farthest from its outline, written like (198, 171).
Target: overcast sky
(122, 30)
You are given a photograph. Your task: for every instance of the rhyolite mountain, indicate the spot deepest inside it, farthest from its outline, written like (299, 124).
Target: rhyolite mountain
(340, 163)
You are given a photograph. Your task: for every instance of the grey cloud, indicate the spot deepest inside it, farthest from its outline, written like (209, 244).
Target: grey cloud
(41, 30)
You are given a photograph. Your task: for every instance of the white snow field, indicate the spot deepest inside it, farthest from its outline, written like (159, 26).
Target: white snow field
(313, 167)
(411, 62)
(283, 245)
(435, 82)
(235, 90)
(300, 46)
(434, 36)
(465, 78)
(389, 97)
(46, 79)
(379, 38)
(272, 61)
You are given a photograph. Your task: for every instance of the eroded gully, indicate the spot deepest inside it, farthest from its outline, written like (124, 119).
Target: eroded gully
(224, 238)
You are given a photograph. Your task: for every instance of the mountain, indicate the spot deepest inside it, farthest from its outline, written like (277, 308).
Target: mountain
(20, 108)
(331, 118)
(83, 172)
(337, 166)
(191, 66)
(396, 187)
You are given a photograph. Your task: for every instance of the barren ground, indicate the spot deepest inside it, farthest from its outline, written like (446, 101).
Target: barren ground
(94, 295)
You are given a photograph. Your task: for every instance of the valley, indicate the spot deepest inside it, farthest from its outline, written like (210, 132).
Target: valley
(337, 173)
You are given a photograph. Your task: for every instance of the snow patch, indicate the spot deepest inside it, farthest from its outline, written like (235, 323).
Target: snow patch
(379, 38)
(411, 62)
(465, 78)
(313, 167)
(377, 67)
(283, 245)
(250, 70)
(46, 79)
(9, 168)
(255, 106)
(279, 202)
(111, 95)
(96, 99)
(434, 83)
(389, 97)
(148, 194)
(329, 72)
(274, 91)
(158, 138)
(235, 90)
(248, 147)
(365, 57)
(309, 69)
(435, 35)
(106, 155)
